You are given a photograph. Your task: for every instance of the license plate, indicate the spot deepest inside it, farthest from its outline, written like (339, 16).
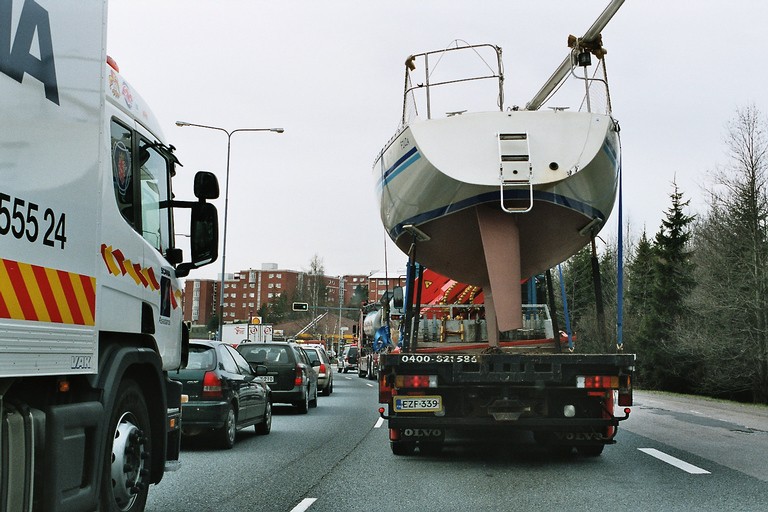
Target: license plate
(418, 403)
(268, 378)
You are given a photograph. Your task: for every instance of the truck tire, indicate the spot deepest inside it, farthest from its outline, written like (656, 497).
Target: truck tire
(433, 448)
(125, 479)
(403, 447)
(225, 436)
(591, 450)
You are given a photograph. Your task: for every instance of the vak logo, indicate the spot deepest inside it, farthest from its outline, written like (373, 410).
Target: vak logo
(17, 59)
(81, 362)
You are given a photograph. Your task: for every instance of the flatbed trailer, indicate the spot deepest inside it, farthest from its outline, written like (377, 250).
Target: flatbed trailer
(564, 399)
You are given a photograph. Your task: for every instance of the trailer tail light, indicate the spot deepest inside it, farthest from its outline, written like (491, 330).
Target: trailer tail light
(211, 385)
(415, 381)
(385, 389)
(597, 382)
(299, 380)
(625, 390)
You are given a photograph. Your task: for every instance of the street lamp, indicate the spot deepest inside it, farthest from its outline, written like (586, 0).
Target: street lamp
(226, 204)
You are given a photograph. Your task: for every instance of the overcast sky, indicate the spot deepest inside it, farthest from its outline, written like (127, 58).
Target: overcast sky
(331, 73)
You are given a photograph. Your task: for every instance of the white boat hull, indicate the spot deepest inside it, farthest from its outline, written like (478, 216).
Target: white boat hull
(444, 177)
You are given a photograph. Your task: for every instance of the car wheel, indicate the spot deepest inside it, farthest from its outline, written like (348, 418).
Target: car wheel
(361, 373)
(303, 405)
(327, 390)
(225, 436)
(313, 402)
(265, 427)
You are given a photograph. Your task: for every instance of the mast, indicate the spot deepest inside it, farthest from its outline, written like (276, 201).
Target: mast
(561, 72)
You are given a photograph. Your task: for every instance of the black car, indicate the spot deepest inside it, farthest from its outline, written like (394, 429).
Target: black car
(292, 378)
(225, 393)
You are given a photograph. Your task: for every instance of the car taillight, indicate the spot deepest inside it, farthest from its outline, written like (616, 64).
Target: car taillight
(322, 368)
(299, 380)
(211, 385)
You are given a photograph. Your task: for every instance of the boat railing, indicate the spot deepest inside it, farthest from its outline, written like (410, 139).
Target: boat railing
(429, 62)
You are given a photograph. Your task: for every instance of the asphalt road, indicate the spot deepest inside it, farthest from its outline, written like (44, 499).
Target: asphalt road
(673, 454)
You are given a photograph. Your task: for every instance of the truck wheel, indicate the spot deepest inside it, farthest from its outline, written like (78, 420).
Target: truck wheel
(593, 450)
(430, 448)
(225, 436)
(125, 481)
(403, 447)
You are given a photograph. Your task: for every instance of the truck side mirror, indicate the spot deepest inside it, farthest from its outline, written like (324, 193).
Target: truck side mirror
(206, 185)
(204, 238)
(397, 297)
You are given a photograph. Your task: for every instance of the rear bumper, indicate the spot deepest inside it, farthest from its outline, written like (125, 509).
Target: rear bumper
(203, 414)
(287, 396)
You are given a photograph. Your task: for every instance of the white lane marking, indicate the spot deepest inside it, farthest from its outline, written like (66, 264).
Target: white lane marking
(304, 505)
(379, 423)
(369, 384)
(348, 378)
(680, 464)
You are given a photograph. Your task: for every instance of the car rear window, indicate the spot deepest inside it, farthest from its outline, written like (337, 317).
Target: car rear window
(312, 355)
(201, 358)
(262, 354)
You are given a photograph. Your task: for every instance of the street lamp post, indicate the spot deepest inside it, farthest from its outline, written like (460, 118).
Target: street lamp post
(229, 134)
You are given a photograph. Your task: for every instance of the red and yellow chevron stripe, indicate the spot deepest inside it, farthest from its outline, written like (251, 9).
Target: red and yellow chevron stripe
(31, 292)
(118, 265)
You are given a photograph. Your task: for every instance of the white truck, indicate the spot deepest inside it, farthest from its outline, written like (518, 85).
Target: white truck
(90, 298)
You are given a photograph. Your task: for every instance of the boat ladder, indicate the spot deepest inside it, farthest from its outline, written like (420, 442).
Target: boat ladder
(515, 169)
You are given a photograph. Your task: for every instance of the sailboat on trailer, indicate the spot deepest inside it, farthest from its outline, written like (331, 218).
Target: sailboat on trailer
(491, 197)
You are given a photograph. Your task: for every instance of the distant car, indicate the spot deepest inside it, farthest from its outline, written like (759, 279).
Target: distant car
(225, 393)
(348, 359)
(291, 376)
(324, 371)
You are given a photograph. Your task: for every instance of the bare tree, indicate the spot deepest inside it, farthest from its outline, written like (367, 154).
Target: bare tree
(729, 327)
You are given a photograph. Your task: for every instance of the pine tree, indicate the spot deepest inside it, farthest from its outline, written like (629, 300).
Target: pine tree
(671, 281)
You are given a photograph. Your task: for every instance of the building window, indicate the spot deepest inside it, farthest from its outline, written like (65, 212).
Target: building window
(278, 285)
(270, 295)
(279, 276)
